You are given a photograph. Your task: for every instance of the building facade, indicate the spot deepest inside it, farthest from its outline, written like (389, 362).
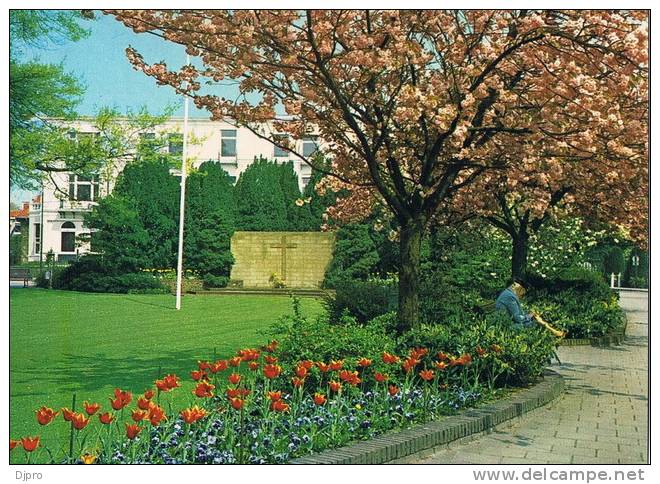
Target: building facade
(56, 217)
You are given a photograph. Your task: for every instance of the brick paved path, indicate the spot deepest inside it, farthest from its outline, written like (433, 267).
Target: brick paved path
(601, 418)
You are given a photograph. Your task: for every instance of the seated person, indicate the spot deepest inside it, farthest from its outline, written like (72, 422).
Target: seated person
(509, 300)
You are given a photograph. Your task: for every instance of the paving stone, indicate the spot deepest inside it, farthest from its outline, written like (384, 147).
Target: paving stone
(602, 416)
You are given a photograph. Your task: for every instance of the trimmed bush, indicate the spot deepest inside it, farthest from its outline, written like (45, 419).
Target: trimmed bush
(90, 275)
(364, 300)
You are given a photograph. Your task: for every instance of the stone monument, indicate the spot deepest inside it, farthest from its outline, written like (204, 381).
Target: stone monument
(297, 259)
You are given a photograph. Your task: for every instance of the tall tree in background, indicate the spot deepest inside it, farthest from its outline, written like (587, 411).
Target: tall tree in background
(210, 223)
(38, 91)
(414, 105)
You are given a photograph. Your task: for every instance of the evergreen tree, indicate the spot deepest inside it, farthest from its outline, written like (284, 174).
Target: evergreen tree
(155, 193)
(260, 200)
(210, 223)
(118, 235)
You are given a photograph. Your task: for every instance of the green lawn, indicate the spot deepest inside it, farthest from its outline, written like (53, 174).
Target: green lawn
(66, 342)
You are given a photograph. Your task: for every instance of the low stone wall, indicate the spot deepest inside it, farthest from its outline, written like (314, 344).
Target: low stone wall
(299, 258)
(397, 445)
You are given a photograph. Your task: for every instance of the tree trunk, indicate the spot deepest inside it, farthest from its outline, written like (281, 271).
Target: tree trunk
(410, 244)
(519, 254)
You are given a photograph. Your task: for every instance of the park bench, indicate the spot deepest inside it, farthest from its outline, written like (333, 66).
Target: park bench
(20, 274)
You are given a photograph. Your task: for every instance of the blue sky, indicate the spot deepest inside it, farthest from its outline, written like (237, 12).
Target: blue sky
(100, 63)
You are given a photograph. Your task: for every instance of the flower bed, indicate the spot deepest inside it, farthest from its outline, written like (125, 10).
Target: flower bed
(249, 409)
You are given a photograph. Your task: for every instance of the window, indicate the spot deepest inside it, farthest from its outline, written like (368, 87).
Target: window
(83, 189)
(175, 144)
(227, 142)
(37, 238)
(310, 145)
(68, 237)
(279, 152)
(305, 181)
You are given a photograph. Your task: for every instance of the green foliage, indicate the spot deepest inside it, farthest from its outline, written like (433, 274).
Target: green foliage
(262, 204)
(154, 193)
(118, 234)
(16, 252)
(363, 300)
(319, 340)
(614, 261)
(89, 274)
(355, 256)
(637, 266)
(38, 91)
(579, 302)
(520, 359)
(210, 222)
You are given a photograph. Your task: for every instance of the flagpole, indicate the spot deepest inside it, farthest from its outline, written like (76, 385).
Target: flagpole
(182, 202)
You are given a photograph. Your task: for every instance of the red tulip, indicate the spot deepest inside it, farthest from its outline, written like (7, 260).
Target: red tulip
(198, 375)
(79, 421)
(149, 394)
(443, 356)
(219, 365)
(279, 406)
(273, 396)
(319, 399)
(45, 415)
(249, 354)
(481, 352)
(301, 372)
(132, 430)
(380, 377)
(335, 386)
(30, 443)
(306, 364)
(193, 414)
(271, 347)
(417, 353)
(427, 375)
(156, 415)
(143, 403)
(235, 361)
(237, 403)
(204, 390)
(350, 377)
(270, 359)
(393, 390)
(441, 365)
(297, 382)
(13, 444)
(91, 408)
(67, 414)
(364, 362)
(323, 367)
(139, 415)
(272, 371)
(235, 378)
(336, 365)
(409, 364)
(253, 365)
(389, 358)
(121, 399)
(106, 418)
(203, 365)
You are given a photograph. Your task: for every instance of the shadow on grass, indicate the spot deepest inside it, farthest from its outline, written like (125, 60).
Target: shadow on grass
(156, 305)
(84, 374)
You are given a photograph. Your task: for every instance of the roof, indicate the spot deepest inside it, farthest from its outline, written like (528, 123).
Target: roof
(22, 213)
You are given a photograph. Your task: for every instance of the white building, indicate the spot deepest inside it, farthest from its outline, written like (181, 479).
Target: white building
(56, 217)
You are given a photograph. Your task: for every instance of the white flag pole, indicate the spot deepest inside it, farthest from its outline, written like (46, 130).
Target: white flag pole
(182, 203)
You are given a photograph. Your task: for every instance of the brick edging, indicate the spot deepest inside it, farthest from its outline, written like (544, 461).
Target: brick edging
(614, 338)
(401, 443)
